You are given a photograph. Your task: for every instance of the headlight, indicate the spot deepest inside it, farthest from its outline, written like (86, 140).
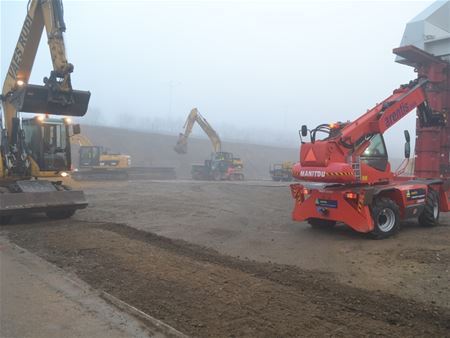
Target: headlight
(64, 174)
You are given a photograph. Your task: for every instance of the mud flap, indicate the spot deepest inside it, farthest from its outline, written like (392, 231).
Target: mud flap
(29, 202)
(41, 99)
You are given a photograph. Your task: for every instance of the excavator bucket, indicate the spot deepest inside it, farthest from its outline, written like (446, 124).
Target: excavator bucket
(41, 99)
(181, 146)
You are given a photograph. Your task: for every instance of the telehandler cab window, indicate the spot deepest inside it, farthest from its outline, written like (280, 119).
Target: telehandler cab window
(375, 154)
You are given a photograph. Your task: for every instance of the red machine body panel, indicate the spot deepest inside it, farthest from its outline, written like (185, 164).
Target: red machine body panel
(352, 158)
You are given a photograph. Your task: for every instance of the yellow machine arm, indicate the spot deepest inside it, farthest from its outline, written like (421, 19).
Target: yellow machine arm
(57, 96)
(81, 140)
(195, 116)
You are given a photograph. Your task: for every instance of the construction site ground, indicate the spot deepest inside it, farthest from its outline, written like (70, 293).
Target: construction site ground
(218, 259)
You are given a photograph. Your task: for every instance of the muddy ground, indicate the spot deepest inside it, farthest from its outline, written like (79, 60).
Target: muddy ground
(224, 259)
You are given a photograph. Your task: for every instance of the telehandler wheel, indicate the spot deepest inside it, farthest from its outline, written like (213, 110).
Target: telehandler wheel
(318, 223)
(386, 218)
(430, 214)
(60, 214)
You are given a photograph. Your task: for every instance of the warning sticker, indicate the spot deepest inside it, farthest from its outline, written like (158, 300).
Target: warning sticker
(415, 194)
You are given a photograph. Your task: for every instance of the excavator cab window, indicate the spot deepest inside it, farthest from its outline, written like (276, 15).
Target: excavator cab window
(47, 143)
(90, 156)
(375, 155)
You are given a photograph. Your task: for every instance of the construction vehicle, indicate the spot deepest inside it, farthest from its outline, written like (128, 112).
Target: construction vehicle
(38, 147)
(345, 168)
(281, 171)
(97, 163)
(221, 165)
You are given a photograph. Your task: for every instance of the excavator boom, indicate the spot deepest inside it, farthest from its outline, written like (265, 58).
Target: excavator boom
(55, 97)
(193, 117)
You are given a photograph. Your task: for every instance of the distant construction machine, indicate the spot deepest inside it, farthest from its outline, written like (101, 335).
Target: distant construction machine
(281, 171)
(221, 165)
(97, 163)
(39, 147)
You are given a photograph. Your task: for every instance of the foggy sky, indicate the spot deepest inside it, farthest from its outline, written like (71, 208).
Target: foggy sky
(250, 67)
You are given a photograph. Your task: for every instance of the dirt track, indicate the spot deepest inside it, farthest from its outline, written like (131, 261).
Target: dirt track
(205, 294)
(301, 282)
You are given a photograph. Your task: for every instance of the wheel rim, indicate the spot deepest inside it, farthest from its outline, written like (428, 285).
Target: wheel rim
(435, 210)
(386, 220)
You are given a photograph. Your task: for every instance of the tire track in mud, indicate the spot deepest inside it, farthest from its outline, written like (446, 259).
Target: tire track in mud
(205, 294)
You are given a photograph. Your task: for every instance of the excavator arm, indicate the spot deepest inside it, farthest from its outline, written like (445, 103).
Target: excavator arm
(195, 116)
(81, 140)
(56, 96)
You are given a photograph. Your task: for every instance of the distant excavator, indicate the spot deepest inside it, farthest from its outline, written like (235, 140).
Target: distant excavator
(97, 163)
(221, 165)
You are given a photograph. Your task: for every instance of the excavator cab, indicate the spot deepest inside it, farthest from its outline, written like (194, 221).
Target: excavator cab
(53, 152)
(90, 156)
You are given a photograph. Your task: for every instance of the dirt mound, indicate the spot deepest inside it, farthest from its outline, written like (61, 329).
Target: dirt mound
(205, 294)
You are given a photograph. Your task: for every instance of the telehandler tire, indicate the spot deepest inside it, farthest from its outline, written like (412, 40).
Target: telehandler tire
(430, 214)
(386, 218)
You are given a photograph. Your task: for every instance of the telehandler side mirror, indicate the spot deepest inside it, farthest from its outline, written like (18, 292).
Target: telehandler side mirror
(304, 131)
(407, 137)
(407, 144)
(76, 129)
(407, 150)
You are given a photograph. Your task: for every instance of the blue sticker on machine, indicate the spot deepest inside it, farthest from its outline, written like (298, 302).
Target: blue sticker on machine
(326, 203)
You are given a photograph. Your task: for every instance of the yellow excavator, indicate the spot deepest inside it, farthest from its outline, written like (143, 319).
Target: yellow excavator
(97, 163)
(221, 165)
(39, 147)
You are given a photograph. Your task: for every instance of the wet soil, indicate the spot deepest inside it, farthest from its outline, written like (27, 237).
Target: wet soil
(207, 294)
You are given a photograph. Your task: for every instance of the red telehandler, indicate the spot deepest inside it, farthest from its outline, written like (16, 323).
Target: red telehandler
(345, 169)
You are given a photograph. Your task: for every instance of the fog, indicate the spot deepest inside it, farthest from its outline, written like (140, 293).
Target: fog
(256, 70)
